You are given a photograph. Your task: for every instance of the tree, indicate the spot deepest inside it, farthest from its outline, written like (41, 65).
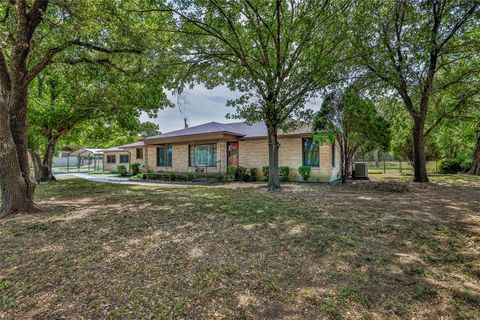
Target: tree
(67, 97)
(35, 35)
(277, 53)
(406, 45)
(352, 121)
(475, 170)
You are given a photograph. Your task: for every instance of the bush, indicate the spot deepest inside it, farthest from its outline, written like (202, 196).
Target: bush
(265, 172)
(455, 165)
(189, 176)
(253, 174)
(284, 174)
(122, 170)
(220, 177)
(241, 174)
(140, 176)
(135, 168)
(171, 176)
(153, 176)
(305, 172)
(231, 172)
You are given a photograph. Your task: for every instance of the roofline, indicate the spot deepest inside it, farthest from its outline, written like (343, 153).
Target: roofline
(298, 134)
(237, 134)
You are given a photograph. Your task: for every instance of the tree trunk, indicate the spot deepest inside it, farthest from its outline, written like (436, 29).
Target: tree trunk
(36, 162)
(343, 163)
(18, 123)
(475, 170)
(12, 184)
(273, 170)
(376, 157)
(46, 173)
(419, 157)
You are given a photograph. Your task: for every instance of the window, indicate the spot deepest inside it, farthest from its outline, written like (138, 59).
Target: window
(203, 155)
(111, 159)
(333, 154)
(311, 153)
(139, 153)
(124, 158)
(164, 156)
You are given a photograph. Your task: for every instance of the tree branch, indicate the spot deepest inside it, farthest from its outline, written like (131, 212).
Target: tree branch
(49, 55)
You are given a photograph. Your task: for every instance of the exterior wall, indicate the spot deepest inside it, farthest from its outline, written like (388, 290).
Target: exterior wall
(131, 152)
(336, 168)
(180, 159)
(254, 154)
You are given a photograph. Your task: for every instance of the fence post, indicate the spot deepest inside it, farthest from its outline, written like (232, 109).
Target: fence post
(384, 168)
(401, 169)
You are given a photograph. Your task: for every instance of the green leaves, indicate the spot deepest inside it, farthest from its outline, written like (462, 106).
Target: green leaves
(347, 116)
(277, 53)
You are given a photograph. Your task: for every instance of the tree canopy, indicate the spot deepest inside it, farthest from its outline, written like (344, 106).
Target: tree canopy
(412, 48)
(278, 54)
(353, 122)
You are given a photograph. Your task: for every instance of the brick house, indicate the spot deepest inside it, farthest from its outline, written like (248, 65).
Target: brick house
(212, 146)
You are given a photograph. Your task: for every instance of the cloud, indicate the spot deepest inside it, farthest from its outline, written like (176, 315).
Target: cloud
(202, 105)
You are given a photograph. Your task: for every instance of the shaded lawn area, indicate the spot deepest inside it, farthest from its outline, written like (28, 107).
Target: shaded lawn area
(372, 250)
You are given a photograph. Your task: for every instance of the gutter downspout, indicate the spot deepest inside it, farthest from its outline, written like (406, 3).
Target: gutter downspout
(146, 157)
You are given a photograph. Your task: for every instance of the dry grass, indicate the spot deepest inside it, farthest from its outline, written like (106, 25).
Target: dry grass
(373, 250)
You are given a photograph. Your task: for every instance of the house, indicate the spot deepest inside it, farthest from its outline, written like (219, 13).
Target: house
(211, 147)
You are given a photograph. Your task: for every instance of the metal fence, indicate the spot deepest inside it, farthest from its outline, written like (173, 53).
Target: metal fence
(76, 164)
(385, 163)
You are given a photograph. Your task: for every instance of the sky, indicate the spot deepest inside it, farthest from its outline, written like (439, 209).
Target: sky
(201, 106)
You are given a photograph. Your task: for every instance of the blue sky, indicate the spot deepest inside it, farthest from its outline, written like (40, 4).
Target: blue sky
(201, 106)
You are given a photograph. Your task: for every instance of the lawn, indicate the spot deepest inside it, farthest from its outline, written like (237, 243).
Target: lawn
(367, 250)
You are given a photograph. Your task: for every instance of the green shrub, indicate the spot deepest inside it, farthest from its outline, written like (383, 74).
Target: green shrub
(467, 165)
(220, 177)
(455, 165)
(241, 174)
(231, 172)
(140, 176)
(172, 176)
(135, 168)
(265, 172)
(152, 176)
(284, 174)
(189, 176)
(305, 172)
(253, 174)
(122, 170)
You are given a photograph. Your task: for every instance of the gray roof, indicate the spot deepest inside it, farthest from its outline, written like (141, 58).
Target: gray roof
(240, 129)
(131, 145)
(125, 146)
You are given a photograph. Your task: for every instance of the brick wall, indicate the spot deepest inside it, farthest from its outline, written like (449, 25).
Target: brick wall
(180, 159)
(252, 154)
(113, 166)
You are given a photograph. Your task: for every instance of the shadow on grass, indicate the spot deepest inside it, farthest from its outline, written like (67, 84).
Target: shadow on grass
(239, 252)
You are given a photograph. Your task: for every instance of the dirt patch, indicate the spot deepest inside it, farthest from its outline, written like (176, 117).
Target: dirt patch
(375, 250)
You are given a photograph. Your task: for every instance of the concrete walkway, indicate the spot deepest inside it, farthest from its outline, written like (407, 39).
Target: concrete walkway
(116, 179)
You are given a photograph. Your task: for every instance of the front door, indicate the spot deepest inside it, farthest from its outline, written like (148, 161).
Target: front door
(232, 153)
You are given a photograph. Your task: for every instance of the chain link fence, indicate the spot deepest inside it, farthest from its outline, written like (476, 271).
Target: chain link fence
(385, 163)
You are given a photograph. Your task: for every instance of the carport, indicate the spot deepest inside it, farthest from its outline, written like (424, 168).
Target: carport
(88, 159)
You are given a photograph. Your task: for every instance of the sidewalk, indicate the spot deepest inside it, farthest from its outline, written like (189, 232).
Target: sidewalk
(116, 179)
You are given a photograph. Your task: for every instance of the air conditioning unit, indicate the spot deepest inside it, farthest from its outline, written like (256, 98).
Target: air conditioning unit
(360, 170)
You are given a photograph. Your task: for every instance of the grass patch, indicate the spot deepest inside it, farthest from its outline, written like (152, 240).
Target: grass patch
(362, 250)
